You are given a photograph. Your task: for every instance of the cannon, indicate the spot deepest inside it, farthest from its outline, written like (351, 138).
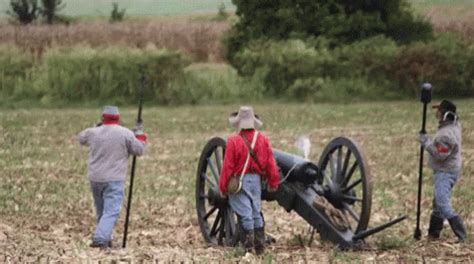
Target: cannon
(334, 196)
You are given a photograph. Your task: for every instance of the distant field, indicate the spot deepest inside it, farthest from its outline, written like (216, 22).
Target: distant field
(175, 7)
(136, 7)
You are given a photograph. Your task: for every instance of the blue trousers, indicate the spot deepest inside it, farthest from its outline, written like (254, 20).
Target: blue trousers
(108, 197)
(443, 185)
(247, 202)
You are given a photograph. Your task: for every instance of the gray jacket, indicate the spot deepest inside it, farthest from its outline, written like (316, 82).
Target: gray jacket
(445, 148)
(109, 149)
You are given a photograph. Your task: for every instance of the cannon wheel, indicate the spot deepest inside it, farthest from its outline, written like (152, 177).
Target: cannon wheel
(216, 218)
(346, 181)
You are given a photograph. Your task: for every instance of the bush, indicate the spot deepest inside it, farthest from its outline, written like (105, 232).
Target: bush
(217, 84)
(374, 68)
(15, 66)
(281, 63)
(25, 11)
(85, 74)
(446, 62)
(116, 15)
(343, 21)
(369, 57)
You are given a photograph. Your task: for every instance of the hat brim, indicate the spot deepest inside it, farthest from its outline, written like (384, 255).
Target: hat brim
(436, 106)
(239, 123)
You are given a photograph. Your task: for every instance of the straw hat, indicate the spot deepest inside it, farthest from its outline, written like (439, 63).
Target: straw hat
(245, 119)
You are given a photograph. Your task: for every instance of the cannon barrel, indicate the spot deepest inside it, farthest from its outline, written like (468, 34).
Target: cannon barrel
(293, 168)
(334, 196)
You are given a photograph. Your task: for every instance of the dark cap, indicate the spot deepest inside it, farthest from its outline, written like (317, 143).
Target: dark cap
(446, 105)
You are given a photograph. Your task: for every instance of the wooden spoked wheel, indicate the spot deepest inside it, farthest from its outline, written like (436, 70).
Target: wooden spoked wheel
(217, 220)
(346, 181)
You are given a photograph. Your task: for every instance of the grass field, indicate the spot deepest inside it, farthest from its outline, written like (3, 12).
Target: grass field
(96, 8)
(136, 7)
(46, 205)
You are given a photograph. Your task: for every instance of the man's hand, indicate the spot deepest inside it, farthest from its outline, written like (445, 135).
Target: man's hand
(223, 196)
(138, 128)
(138, 131)
(423, 138)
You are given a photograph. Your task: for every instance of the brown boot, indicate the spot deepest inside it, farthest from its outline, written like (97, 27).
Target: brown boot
(259, 240)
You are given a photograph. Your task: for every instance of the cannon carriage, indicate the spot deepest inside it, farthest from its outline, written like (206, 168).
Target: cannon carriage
(334, 196)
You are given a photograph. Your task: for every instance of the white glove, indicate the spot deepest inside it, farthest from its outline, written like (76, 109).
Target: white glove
(424, 139)
(139, 134)
(138, 129)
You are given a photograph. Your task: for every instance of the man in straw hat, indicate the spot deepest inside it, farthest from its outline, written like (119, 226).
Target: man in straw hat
(445, 160)
(253, 167)
(110, 145)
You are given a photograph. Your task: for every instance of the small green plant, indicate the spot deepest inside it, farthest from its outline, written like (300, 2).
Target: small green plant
(117, 15)
(342, 256)
(391, 242)
(235, 252)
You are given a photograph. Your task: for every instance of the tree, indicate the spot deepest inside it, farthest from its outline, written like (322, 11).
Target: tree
(340, 21)
(50, 10)
(25, 11)
(116, 15)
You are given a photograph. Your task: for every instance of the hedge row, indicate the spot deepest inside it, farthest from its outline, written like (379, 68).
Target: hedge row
(85, 74)
(309, 70)
(372, 68)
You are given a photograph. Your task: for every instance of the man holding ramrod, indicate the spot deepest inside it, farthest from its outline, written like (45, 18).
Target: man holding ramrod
(445, 160)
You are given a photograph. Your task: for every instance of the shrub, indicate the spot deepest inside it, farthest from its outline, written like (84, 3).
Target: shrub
(25, 11)
(15, 65)
(343, 21)
(446, 62)
(369, 57)
(374, 68)
(281, 63)
(85, 74)
(216, 84)
(116, 15)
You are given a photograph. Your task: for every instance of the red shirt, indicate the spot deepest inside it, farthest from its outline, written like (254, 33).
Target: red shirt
(236, 153)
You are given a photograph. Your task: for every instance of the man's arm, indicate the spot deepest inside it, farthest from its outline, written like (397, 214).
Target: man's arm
(136, 143)
(272, 168)
(228, 167)
(83, 137)
(441, 148)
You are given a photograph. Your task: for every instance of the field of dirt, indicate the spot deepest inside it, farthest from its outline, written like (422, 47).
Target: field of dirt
(46, 209)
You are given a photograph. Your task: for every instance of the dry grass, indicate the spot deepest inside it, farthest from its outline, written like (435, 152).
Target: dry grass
(47, 212)
(458, 19)
(200, 39)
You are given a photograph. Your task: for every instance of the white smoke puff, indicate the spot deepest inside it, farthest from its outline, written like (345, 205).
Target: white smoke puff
(304, 146)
